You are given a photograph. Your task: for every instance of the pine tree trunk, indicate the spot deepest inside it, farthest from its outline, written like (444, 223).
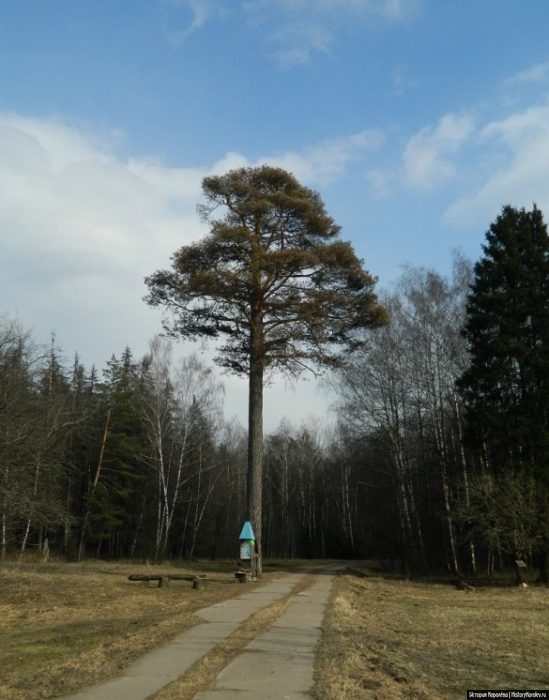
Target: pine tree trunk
(255, 453)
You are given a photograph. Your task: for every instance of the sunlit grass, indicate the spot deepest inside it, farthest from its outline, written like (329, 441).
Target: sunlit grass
(65, 626)
(393, 639)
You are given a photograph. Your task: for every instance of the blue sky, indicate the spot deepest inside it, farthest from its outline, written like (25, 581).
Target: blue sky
(416, 120)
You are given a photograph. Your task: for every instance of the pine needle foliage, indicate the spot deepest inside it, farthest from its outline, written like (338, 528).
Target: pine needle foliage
(272, 278)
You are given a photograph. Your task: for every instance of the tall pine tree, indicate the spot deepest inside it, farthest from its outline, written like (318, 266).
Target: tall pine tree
(275, 281)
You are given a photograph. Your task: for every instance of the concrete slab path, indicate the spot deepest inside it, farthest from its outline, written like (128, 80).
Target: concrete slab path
(276, 664)
(280, 662)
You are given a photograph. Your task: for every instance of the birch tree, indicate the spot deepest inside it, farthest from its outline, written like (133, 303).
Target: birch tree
(174, 403)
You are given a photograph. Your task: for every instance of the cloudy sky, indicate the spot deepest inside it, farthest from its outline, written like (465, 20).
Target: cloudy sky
(416, 120)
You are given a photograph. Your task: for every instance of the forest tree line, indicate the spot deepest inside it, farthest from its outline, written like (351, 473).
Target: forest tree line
(138, 461)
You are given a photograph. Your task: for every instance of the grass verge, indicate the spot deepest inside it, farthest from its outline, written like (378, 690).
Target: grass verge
(391, 639)
(65, 626)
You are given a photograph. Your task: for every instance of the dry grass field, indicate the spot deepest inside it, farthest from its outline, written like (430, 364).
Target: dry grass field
(389, 639)
(64, 626)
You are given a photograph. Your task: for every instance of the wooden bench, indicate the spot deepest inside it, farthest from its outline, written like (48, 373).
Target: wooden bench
(197, 581)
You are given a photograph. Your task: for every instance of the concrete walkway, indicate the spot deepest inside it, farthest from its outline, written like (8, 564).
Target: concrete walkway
(276, 664)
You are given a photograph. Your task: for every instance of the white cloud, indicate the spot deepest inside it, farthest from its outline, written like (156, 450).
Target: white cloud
(231, 161)
(80, 228)
(534, 74)
(325, 161)
(294, 44)
(522, 171)
(394, 9)
(65, 197)
(519, 128)
(305, 28)
(60, 144)
(202, 11)
(402, 82)
(293, 30)
(69, 196)
(382, 182)
(427, 158)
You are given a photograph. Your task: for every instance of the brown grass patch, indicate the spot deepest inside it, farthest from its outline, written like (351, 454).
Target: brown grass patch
(65, 626)
(392, 639)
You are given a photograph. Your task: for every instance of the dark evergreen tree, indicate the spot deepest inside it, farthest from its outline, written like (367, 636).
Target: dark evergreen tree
(52, 429)
(18, 415)
(114, 494)
(506, 387)
(89, 409)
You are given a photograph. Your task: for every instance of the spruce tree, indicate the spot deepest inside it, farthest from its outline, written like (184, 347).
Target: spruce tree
(118, 472)
(506, 386)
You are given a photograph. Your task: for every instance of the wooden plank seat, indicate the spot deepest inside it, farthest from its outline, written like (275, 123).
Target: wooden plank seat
(197, 581)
